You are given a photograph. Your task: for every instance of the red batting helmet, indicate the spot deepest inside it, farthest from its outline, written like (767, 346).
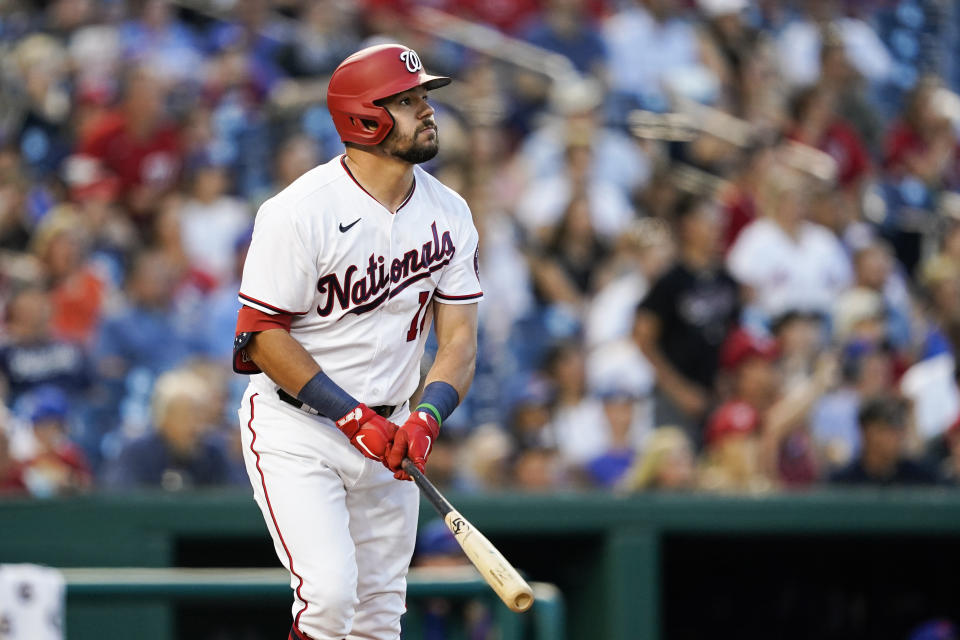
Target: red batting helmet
(369, 75)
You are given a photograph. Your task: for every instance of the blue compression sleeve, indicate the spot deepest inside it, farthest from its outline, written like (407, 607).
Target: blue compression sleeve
(440, 399)
(326, 396)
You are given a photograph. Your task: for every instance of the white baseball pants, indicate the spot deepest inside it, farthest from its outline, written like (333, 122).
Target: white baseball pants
(341, 524)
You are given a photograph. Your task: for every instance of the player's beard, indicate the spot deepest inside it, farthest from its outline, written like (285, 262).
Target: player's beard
(409, 149)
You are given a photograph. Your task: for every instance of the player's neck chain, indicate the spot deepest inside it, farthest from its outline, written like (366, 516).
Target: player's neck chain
(354, 296)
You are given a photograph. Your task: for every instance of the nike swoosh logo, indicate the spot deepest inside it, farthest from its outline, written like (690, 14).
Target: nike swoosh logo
(344, 229)
(361, 437)
(429, 444)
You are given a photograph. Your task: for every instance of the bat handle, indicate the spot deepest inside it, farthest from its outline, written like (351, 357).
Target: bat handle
(408, 466)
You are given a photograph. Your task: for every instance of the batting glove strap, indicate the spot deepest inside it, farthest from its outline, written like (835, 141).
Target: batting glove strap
(369, 432)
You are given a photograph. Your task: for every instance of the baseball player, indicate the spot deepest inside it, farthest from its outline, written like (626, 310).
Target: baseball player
(348, 268)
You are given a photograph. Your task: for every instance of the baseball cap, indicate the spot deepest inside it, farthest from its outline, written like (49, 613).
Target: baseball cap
(732, 418)
(49, 403)
(741, 345)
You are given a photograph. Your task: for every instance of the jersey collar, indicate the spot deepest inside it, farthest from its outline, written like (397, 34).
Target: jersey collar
(343, 163)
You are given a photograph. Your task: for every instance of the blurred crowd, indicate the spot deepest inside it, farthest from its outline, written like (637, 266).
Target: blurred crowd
(720, 239)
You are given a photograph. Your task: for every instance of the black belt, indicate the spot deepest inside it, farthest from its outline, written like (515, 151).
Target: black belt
(385, 410)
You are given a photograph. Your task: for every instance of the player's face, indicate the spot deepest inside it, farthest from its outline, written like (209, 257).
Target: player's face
(413, 137)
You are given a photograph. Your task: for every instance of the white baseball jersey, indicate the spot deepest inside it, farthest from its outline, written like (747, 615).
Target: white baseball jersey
(358, 278)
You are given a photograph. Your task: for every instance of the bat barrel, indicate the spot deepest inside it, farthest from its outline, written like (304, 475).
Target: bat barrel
(499, 574)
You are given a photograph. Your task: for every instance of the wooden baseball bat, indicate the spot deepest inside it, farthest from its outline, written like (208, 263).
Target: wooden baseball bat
(499, 574)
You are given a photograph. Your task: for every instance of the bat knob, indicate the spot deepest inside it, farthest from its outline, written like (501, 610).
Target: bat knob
(522, 602)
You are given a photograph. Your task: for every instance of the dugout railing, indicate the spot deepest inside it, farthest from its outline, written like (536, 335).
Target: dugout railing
(825, 564)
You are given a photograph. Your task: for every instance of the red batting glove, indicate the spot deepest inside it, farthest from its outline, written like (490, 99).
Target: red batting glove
(368, 431)
(413, 440)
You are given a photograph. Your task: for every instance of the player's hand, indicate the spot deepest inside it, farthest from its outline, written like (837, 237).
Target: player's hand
(413, 440)
(368, 431)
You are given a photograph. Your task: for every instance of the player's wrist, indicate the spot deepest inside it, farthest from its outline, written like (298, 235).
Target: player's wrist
(439, 399)
(326, 397)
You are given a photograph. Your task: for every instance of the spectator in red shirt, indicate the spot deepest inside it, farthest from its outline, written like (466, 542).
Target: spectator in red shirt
(138, 143)
(76, 290)
(816, 123)
(922, 144)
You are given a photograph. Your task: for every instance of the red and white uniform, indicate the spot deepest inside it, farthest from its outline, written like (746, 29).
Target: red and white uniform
(356, 284)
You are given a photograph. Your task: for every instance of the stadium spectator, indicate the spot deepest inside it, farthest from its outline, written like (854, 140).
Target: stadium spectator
(800, 41)
(57, 466)
(732, 459)
(816, 123)
(538, 470)
(210, 219)
(575, 114)
(31, 356)
(565, 27)
(146, 333)
(785, 261)
(920, 158)
(157, 39)
(666, 464)
(138, 143)
(77, 292)
(608, 468)
(15, 216)
(685, 317)
(180, 453)
(565, 269)
(578, 419)
(543, 205)
(867, 371)
(649, 44)
(638, 258)
(882, 460)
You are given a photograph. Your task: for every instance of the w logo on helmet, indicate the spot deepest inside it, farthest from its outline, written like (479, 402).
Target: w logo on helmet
(412, 60)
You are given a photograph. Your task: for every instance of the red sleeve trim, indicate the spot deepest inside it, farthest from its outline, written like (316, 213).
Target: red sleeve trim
(467, 297)
(261, 303)
(251, 320)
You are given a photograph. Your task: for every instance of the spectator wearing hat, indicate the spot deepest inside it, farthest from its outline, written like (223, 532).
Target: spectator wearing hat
(784, 450)
(182, 451)
(883, 460)
(684, 319)
(58, 466)
(608, 468)
(732, 460)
